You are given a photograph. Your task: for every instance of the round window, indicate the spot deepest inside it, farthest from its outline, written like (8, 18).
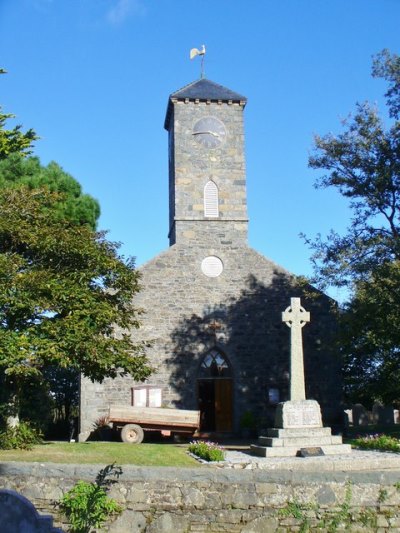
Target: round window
(212, 266)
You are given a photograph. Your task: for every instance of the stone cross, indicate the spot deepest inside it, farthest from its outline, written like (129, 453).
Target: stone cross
(296, 318)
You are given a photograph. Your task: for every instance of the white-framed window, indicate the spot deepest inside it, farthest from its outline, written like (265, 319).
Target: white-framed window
(211, 200)
(146, 396)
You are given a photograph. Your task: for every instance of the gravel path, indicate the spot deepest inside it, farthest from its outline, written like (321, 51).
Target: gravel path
(357, 460)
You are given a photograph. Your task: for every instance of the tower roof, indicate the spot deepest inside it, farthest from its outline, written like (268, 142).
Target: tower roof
(203, 90)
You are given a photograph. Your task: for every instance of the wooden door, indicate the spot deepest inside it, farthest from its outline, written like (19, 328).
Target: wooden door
(215, 404)
(223, 404)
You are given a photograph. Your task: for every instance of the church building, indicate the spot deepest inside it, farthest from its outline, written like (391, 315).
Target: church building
(213, 305)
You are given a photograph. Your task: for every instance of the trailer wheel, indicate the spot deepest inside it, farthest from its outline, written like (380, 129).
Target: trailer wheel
(132, 433)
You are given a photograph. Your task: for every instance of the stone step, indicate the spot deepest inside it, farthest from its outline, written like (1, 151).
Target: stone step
(299, 441)
(292, 451)
(298, 432)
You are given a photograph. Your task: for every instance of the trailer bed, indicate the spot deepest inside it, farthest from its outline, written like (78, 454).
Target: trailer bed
(133, 420)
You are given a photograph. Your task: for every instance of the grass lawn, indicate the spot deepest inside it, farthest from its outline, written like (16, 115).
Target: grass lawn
(104, 453)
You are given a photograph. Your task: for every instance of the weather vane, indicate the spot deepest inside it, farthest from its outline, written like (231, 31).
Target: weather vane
(196, 52)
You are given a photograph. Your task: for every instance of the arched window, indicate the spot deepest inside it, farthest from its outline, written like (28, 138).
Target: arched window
(214, 365)
(211, 200)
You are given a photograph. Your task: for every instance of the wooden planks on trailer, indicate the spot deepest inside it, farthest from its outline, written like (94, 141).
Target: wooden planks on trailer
(155, 416)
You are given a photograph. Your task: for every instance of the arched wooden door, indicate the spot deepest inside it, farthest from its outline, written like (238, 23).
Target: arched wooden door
(215, 393)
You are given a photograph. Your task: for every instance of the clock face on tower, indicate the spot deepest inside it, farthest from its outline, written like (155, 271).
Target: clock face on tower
(209, 132)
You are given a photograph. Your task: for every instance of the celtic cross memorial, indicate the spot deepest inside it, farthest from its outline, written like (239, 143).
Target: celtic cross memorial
(296, 317)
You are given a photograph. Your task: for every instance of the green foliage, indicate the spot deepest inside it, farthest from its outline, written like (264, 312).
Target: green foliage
(383, 443)
(21, 437)
(298, 511)
(71, 204)
(387, 66)
(64, 291)
(14, 140)
(36, 403)
(330, 520)
(383, 495)
(370, 338)
(342, 516)
(63, 384)
(209, 451)
(363, 164)
(31, 325)
(248, 420)
(47, 400)
(368, 518)
(87, 505)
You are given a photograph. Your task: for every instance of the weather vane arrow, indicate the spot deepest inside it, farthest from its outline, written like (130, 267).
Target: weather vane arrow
(196, 52)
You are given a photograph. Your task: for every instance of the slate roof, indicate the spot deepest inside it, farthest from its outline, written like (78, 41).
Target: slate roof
(203, 90)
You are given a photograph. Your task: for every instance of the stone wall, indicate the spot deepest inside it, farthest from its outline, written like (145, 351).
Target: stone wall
(247, 300)
(191, 167)
(207, 499)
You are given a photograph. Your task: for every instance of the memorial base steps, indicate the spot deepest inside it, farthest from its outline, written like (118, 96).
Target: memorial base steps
(293, 451)
(299, 441)
(298, 425)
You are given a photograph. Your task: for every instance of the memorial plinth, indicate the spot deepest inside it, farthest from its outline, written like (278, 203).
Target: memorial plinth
(298, 422)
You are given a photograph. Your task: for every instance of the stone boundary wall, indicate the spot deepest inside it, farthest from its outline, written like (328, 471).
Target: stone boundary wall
(209, 499)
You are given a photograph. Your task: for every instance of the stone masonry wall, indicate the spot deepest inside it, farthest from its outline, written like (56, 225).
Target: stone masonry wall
(170, 500)
(192, 166)
(247, 299)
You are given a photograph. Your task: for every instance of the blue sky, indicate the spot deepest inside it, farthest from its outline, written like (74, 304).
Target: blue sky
(92, 77)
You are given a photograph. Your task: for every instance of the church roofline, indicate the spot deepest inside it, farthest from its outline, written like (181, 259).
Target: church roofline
(202, 90)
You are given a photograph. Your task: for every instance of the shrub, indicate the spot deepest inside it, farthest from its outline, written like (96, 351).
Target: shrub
(248, 420)
(209, 451)
(378, 442)
(21, 437)
(87, 505)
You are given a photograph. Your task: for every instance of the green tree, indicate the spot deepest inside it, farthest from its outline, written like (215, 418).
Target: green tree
(66, 296)
(14, 140)
(17, 169)
(53, 393)
(370, 338)
(72, 204)
(363, 164)
(387, 66)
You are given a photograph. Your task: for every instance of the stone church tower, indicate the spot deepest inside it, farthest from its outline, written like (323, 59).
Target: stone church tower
(213, 305)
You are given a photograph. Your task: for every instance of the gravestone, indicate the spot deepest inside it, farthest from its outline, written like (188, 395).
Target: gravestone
(360, 415)
(348, 417)
(298, 422)
(18, 515)
(383, 414)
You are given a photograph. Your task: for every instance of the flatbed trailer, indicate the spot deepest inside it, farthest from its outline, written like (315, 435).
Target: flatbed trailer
(132, 422)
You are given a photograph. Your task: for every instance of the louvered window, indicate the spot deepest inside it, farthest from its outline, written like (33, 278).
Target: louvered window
(211, 200)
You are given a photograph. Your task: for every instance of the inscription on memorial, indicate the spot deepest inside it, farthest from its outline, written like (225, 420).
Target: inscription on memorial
(304, 416)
